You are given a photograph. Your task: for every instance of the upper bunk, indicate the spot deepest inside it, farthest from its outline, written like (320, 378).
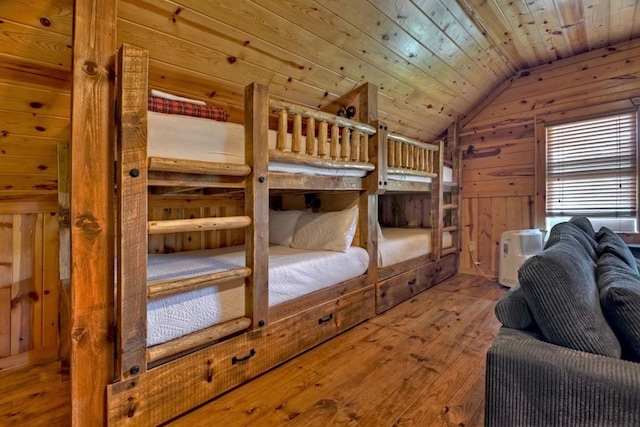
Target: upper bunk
(298, 147)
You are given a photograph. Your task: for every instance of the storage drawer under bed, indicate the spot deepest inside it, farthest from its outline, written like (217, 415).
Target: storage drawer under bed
(393, 291)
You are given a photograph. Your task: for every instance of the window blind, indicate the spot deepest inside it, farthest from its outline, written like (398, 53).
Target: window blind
(591, 167)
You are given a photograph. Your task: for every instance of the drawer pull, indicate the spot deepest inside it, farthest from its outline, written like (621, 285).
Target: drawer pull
(412, 282)
(325, 319)
(242, 359)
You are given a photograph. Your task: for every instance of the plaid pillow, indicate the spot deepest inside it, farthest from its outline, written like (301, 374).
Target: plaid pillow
(169, 106)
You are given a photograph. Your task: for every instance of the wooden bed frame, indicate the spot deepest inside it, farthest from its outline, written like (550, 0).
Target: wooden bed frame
(158, 383)
(411, 158)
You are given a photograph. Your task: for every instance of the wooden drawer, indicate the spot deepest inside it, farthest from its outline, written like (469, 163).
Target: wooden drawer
(174, 387)
(393, 291)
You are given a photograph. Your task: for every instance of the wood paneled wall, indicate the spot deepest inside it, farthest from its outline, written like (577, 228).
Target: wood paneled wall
(28, 288)
(500, 141)
(35, 109)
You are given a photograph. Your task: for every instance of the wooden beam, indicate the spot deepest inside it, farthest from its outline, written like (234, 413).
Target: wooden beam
(133, 64)
(92, 225)
(256, 125)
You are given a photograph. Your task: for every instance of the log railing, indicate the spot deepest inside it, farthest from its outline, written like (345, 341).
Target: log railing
(327, 140)
(407, 156)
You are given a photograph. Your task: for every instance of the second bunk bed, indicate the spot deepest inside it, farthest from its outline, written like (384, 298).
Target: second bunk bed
(417, 218)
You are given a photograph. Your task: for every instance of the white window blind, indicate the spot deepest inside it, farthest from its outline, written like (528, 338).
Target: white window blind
(591, 167)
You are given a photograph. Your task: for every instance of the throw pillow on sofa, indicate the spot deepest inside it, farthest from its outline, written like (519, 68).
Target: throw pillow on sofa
(610, 242)
(585, 225)
(620, 300)
(560, 288)
(570, 231)
(513, 311)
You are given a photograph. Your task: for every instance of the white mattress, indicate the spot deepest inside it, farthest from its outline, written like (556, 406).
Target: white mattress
(292, 274)
(193, 138)
(447, 176)
(402, 244)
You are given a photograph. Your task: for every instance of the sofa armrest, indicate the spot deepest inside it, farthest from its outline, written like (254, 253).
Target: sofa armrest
(534, 383)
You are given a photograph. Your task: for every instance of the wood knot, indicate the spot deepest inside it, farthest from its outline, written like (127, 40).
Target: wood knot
(90, 67)
(89, 224)
(77, 334)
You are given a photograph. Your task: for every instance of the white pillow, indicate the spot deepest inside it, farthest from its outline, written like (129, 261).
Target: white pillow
(329, 231)
(282, 225)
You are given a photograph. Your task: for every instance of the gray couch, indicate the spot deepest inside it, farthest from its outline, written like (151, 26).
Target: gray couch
(568, 351)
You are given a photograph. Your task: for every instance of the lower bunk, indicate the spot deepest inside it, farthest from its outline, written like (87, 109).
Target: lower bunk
(178, 322)
(175, 387)
(406, 265)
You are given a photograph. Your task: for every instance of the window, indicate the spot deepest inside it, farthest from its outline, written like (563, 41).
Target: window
(592, 170)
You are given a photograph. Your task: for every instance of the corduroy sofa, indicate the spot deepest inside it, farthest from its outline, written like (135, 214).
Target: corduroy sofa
(568, 351)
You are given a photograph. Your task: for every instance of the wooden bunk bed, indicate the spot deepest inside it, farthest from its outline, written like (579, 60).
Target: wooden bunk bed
(418, 213)
(155, 383)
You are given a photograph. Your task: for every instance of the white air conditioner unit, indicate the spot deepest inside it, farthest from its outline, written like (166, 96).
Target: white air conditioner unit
(516, 247)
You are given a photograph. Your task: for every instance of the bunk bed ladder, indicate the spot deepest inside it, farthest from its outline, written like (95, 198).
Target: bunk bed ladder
(451, 214)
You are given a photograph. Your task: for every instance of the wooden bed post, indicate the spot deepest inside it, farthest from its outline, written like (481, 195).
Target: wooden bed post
(91, 213)
(437, 210)
(133, 64)
(256, 152)
(368, 211)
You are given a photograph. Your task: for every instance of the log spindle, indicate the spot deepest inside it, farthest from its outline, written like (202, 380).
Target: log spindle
(344, 147)
(322, 139)
(296, 134)
(282, 131)
(335, 135)
(311, 136)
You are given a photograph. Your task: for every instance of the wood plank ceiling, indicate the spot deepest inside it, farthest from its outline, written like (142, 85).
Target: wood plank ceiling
(432, 60)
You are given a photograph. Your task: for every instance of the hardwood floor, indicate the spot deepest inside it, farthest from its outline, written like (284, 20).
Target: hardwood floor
(419, 364)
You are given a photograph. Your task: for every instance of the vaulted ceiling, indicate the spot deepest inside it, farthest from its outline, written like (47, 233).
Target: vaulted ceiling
(433, 61)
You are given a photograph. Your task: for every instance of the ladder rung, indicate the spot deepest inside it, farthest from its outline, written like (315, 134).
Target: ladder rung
(450, 206)
(450, 228)
(448, 251)
(197, 224)
(202, 337)
(165, 288)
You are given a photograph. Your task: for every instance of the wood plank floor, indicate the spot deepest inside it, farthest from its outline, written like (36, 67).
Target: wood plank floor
(419, 364)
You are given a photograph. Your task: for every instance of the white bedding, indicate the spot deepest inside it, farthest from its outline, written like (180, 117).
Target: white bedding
(193, 138)
(292, 274)
(447, 176)
(402, 244)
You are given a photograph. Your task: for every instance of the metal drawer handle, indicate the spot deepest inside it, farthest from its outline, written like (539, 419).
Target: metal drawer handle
(242, 359)
(325, 319)
(412, 282)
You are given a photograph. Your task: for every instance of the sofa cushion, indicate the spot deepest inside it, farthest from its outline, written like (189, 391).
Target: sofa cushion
(610, 242)
(571, 232)
(513, 311)
(560, 287)
(585, 225)
(620, 300)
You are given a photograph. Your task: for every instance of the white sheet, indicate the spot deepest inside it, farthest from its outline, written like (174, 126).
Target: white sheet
(447, 176)
(292, 274)
(193, 138)
(402, 244)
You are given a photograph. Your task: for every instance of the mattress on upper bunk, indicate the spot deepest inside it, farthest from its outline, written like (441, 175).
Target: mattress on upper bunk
(292, 274)
(194, 138)
(402, 244)
(447, 176)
